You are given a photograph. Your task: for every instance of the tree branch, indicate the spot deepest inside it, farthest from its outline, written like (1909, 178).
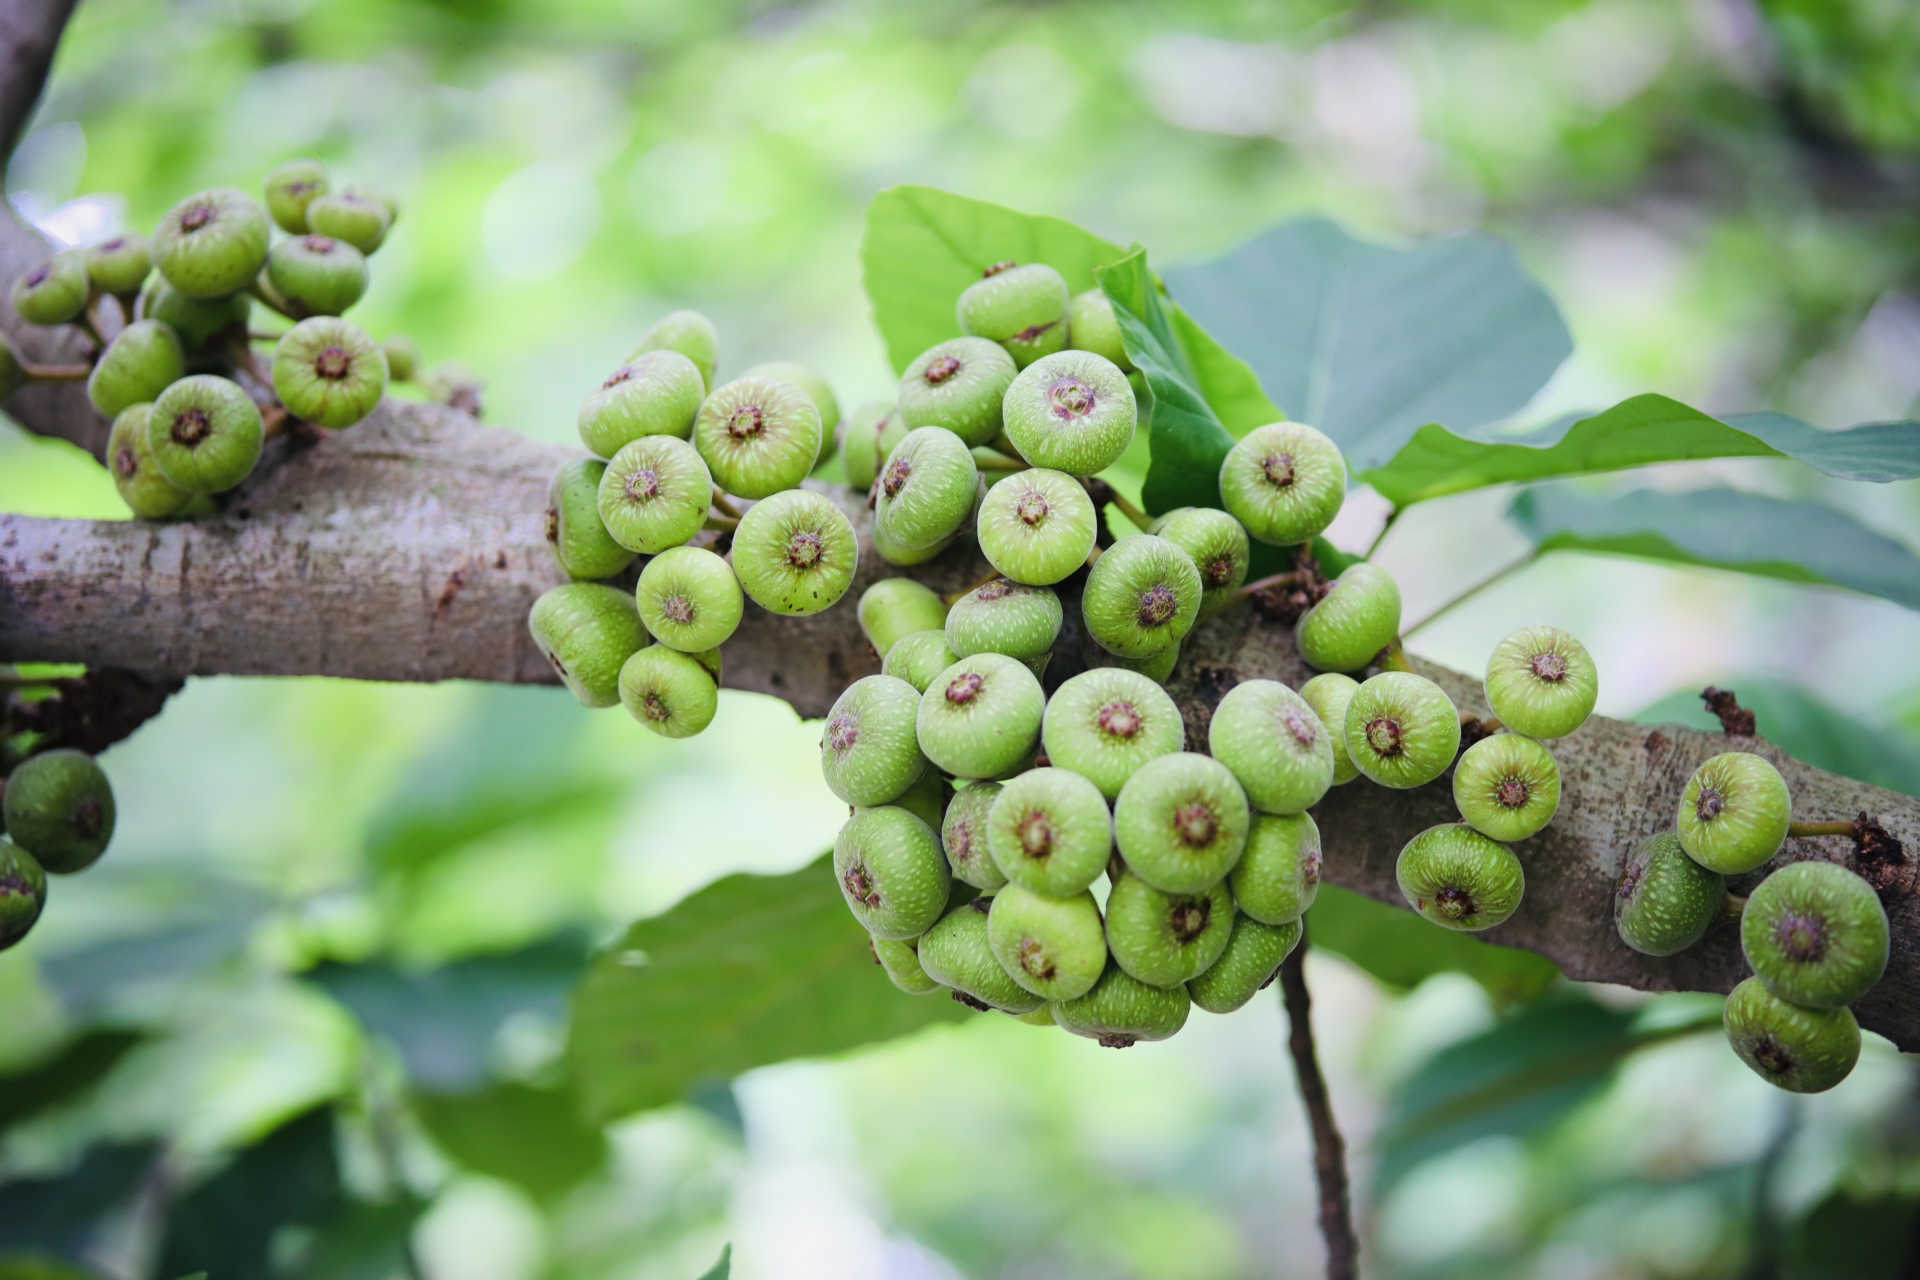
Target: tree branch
(1329, 1152)
(29, 33)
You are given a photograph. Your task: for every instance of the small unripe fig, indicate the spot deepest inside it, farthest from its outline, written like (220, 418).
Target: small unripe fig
(1278, 876)
(1217, 545)
(963, 834)
(329, 371)
(1329, 695)
(902, 964)
(981, 716)
(579, 541)
(384, 198)
(1142, 596)
(1284, 481)
(403, 356)
(356, 218)
(1004, 617)
(317, 274)
(1456, 877)
(1542, 682)
(815, 388)
(926, 488)
(672, 693)
(867, 436)
(1163, 939)
(23, 892)
(121, 265)
(143, 360)
(212, 243)
(1253, 957)
(194, 319)
(895, 607)
(1734, 813)
(290, 188)
(795, 552)
(868, 751)
(1037, 526)
(1353, 622)
(1181, 822)
(895, 554)
(1051, 945)
(59, 808)
(205, 434)
(689, 333)
(1790, 1047)
(957, 953)
(1815, 934)
(918, 657)
(891, 872)
(1664, 901)
(587, 632)
(1072, 411)
(1156, 667)
(926, 799)
(1050, 832)
(1105, 723)
(759, 436)
(53, 292)
(1121, 1010)
(1024, 309)
(1402, 730)
(959, 385)
(1275, 745)
(689, 599)
(147, 493)
(655, 394)
(1507, 786)
(655, 494)
(1091, 327)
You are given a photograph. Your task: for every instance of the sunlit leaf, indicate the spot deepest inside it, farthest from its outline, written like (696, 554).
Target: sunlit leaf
(1402, 950)
(533, 1138)
(1807, 729)
(723, 1268)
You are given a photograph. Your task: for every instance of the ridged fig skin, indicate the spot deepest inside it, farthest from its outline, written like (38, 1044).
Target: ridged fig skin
(918, 657)
(1121, 1010)
(1792, 1048)
(796, 553)
(960, 385)
(906, 557)
(1274, 743)
(353, 216)
(689, 333)
(963, 834)
(587, 632)
(1402, 730)
(147, 493)
(926, 489)
(1252, 959)
(758, 436)
(318, 275)
(1071, 411)
(290, 188)
(1023, 308)
(891, 872)
(1054, 947)
(1142, 596)
(689, 599)
(1665, 901)
(1816, 935)
(1734, 813)
(869, 753)
(1355, 621)
(981, 716)
(1542, 682)
(957, 954)
(895, 607)
(194, 319)
(205, 434)
(53, 292)
(59, 808)
(1105, 723)
(1284, 481)
(1329, 695)
(866, 438)
(1507, 786)
(329, 372)
(655, 494)
(23, 892)
(1218, 547)
(1278, 877)
(1181, 822)
(1459, 879)
(813, 384)
(1049, 832)
(1091, 326)
(1037, 526)
(671, 693)
(580, 543)
(1163, 939)
(144, 359)
(902, 965)
(656, 393)
(1007, 617)
(212, 243)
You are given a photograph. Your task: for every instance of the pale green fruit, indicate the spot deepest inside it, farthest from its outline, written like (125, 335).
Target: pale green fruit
(1278, 876)
(1037, 526)
(1072, 411)
(891, 872)
(1402, 730)
(902, 965)
(1105, 723)
(1734, 813)
(1790, 1047)
(1664, 901)
(580, 543)
(869, 753)
(918, 657)
(1329, 695)
(657, 393)
(655, 494)
(1142, 596)
(926, 799)
(1004, 617)
(926, 489)
(587, 632)
(318, 275)
(1274, 743)
(895, 607)
(403, 356)
(866, 438)
(957, 954)
(1052, 946)
(815, 386)
(758, 436)
(53, 292)
(981, 716)
(59, 808)
(1252, 959)
(1815, 934)
(212, 243)
(290, 188)
(963, 834)
(1121, 1010)
(1050, 832)
(689, 599)
(147, 492)
(1091, 327)
(673, 694)
(121, 265)
(1023, 308)
(689, 333)
(1507, 786)
(143, 360)
(1181, 822)
(205, 434)
(329, 372)
(1285, 482)
(1542, 682)
(796, 553)
(895, 554)
(1217, 545)
(958, 384)
(23, 892)
(1355, 621)
(195, 319)
(355, 217)
(1163, 939)
(1456, 877)
(1156, 667)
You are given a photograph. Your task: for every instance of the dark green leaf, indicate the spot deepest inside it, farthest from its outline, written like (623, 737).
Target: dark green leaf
(30, 1268)
(67, 1074)
(750, 970)
(533, 1138)
(1369, 343)
(57, 1217)
(1808, 729)
(723, 1268)
(1723, 529)
(367, 1242)
(1852, 1237)
(94, 978)
(227, 1224)
(1402, 950)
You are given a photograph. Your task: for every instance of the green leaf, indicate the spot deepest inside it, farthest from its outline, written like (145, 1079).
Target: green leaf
(533, 1138)
(1852, 1236)
(1370, 343)
(67, 1074)
(1231, 387)
(1723, 529)
(59, 1217)
(1637, 432)
(227, 1224)
(750, 970)
(723, 1268)
(366, 1241)
(1402, 950)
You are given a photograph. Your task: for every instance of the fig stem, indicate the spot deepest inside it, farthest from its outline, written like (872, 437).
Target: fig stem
(1290, 578)
(721, 522)
(1489, 725)
(992, 575)
(271, 298)
(1732, 907)
(988, 460)
(1329, 1151)
(723, 504)
(1381, 536)
(1474, 590)
(1131, 512)
(273, 420)
(1393, 657)
(261, 335)
(56, 372)
(1801, 830)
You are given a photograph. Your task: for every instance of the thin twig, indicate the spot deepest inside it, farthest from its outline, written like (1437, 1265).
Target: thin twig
(721, 523)
(56, 372)
(1474, 590)
(988, 460)
(1381, 536)
(1131, 512)
(722, 505)
(1329, 1152)
(991, 575)
(1393, 657)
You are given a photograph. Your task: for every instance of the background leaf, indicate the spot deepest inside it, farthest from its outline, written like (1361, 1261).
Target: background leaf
(533, 1138)
(1402, 950)
(57, 1217)
(226, 1225)
(1808, 728)
(748, 971)
(1723, 529)
(723, 1268)
(72, 1071)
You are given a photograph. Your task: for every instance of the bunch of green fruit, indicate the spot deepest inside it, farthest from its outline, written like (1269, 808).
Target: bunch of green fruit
(56, 817)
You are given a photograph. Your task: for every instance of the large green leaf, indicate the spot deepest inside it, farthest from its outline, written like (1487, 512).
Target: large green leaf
(59, 1217)
(1636, 432)
(1369, 343)
(750, 970)
(1401, 949)
(71, 1071)
(531, 1137)
(1723, 529)
(226, 1225)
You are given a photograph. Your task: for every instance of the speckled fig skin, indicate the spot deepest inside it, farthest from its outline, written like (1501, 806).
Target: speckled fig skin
(1278, 876)
(317, 275)
(1163, 939)
(143, 360)
(354, 217)
(1053, 947)
(1459, 879)
(981, 716)
(656, 393)
(901, 964)
(758, 436)
(214, 242)
(1037, 526)
(1799, 1050)
(654, 494)
(587, 632)
(958, 384)
(918, 657)
(1091, 326)
(1072, 411)
(867, 436)
(891, 872)
(1356, 620)
(205, 434)
(120, 265)
(290, 188)
(815, 387)
(905, 557)
(689, 333)
(1815, 934)
(894, 607)
(1142, 596)
(926, 488)
(23, 892)
(1105, 723)
(868, 751)
(957, 954)
(795, 553)
(147, 493)
(1507, 786)
(1252, 959)
(1542, 682)
(1023, 308)
(1402, 730)
(689, 599)
(671, 693)
(59, 808)
(1181, 822)
(926, 799)
(1285, 482)
(1218, 546)
(1007, 617)
(581, 545)
(1734, 813)
(1275, 745)
(1665, 901)
(195, 319)
(963, 834)
(1121, 1010)
(1329, 695)
(1049, 832)
(329, 372)
(1157, 668)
